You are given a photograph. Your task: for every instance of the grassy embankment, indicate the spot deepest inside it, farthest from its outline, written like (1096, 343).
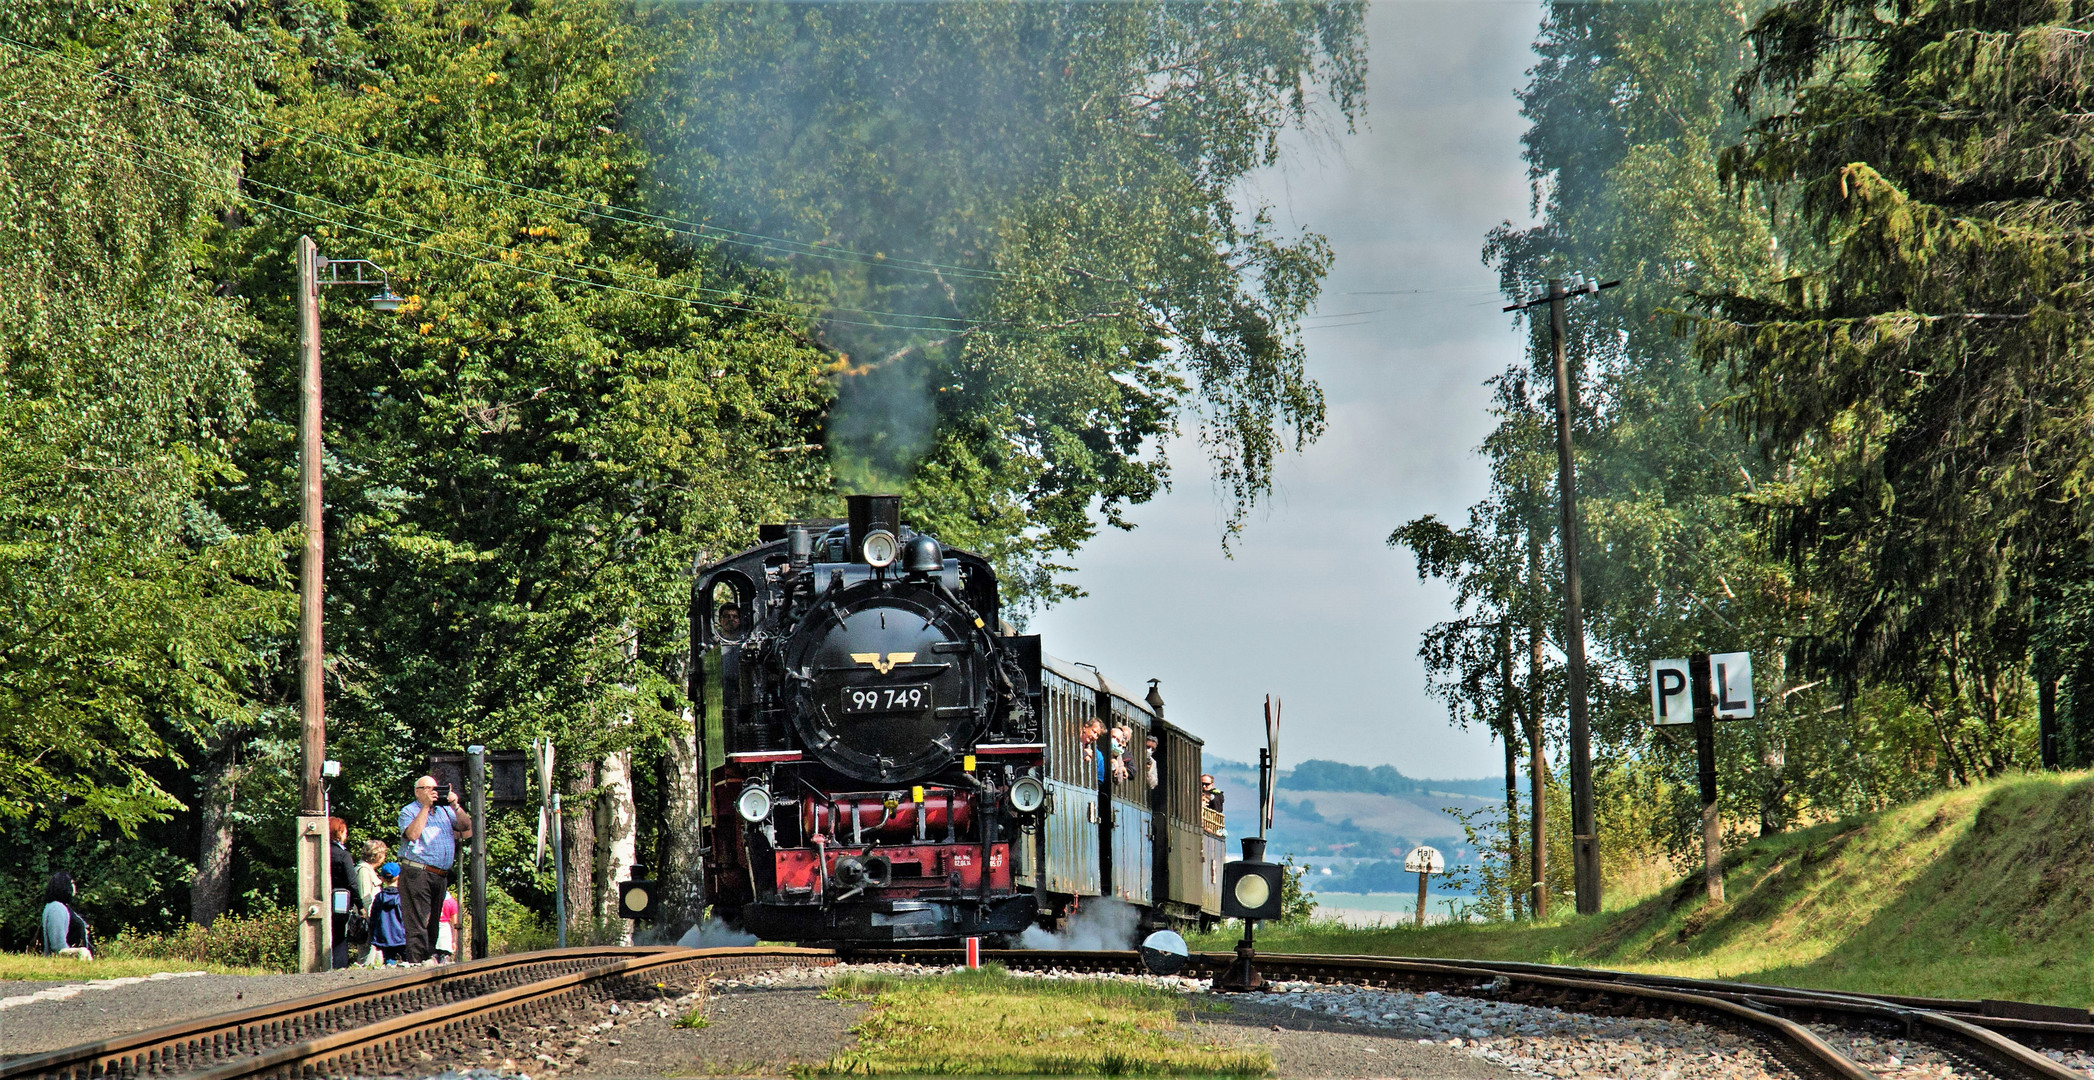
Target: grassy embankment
(986, 1023)
(1986, 891)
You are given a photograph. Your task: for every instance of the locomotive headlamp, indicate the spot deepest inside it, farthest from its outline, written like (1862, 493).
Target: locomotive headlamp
(880, 547)
(754, 804)
(1027, 795)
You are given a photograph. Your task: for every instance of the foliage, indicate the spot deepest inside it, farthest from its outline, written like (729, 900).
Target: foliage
(122, 881)
(1297, 902)
(134, 618)
(1021, 221)
(266, 940)
(1924, 391)
(991, 1023)
(1685, 543)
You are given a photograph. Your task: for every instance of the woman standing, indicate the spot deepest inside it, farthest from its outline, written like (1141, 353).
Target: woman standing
(341, 872)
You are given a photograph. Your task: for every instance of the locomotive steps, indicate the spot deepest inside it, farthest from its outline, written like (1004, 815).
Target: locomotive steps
(1982, 892)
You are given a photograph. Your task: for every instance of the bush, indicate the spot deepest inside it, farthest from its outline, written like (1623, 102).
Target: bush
(512, 927)
(267, 940)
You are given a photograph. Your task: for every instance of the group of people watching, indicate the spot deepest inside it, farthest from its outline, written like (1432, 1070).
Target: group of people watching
(406, 902)
(405, 905)
(1117, 761)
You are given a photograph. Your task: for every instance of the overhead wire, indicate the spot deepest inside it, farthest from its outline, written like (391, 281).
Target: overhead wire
(942, 323)
(546, 197)
(428, 246)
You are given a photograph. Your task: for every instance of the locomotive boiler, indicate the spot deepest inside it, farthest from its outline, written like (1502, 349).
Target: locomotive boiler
(887, 761)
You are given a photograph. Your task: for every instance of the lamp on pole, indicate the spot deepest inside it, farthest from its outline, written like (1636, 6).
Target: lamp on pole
(1585, 848)
(316, 921)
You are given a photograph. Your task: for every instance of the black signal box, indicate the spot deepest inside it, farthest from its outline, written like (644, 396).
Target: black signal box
(636, 900)
(1251, 890)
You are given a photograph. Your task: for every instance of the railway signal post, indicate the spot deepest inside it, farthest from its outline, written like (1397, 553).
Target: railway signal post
(1585, 848)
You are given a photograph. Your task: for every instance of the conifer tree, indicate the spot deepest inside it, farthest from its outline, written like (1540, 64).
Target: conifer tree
(1927, 393)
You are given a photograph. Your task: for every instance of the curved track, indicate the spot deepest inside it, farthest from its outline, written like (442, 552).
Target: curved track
(367, 1028)
(378, 1027)
(1996, 1038)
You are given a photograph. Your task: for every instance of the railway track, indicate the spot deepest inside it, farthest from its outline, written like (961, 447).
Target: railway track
(2000, 1039)
(378, 1028)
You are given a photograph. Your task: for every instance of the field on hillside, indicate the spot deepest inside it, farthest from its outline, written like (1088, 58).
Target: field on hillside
(1986, 891)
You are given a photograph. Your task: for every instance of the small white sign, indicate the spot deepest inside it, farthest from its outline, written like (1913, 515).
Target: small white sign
(1730, 680)
(1671, 692)
(1424, 860)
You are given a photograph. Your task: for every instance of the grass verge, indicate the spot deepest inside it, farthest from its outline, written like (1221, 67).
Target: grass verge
(1981, 892)
(987, 1023)
(32, 967)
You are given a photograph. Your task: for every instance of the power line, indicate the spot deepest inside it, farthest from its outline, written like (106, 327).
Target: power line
(545, 197)
(427, 246)
(961, 322)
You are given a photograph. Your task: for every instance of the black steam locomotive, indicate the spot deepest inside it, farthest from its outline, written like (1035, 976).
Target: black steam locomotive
(889, 761)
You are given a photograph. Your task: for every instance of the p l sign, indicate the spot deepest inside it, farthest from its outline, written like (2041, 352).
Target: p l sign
(1671, 700)
(1730, 677)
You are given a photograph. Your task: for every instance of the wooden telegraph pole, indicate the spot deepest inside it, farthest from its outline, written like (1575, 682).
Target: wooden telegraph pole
(316, 922)
(315, 912)
(1585, 850)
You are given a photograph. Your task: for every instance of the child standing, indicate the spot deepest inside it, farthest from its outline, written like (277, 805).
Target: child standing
(447, 929)
(388, 930)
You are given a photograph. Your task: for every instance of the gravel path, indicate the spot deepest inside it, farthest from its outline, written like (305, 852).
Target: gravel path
(104, 1011)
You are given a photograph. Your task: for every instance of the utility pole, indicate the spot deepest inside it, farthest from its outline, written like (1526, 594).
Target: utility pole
(315, 916)
(1585, 849)
(316, 922)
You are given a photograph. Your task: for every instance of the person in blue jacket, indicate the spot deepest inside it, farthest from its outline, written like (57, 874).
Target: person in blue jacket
(388, 929)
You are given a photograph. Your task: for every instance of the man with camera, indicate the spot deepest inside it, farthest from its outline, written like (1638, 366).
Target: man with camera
(431, 827)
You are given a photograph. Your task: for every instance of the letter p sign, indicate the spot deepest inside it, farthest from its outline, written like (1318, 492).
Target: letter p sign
(1670, 700)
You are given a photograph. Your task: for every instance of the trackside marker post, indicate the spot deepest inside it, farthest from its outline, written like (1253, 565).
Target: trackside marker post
(974, 954)
(1716, 687)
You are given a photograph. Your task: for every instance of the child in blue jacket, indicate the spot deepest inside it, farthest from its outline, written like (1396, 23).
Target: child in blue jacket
(388, 931)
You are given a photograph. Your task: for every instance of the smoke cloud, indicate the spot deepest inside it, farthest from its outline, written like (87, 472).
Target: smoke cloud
(1098, 925)
(710, 934)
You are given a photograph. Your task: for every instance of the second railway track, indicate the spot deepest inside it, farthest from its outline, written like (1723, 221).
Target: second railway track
(386, 1027)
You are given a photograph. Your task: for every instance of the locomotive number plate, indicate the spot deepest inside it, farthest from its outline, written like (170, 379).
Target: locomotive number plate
(861, 699)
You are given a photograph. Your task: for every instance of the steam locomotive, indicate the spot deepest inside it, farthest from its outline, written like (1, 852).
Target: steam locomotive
(888, 761)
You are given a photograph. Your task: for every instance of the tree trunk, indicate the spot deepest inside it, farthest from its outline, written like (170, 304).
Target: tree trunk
(1537, 746)
(682, 873)
(1508, 730)
(212, 892)
(618, 848)
(579, 836)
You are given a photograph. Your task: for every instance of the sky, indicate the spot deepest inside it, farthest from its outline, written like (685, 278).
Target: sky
(1314, 607)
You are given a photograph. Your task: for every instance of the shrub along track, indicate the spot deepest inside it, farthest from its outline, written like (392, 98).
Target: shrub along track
(1996, 1038)
(377, 1028)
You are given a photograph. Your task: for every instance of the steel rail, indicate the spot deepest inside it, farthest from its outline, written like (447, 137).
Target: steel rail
(200, 1044)
(382, 1045)
(1981, 1041)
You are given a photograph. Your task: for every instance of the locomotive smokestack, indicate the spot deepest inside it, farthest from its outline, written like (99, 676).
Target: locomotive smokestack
(870, 513)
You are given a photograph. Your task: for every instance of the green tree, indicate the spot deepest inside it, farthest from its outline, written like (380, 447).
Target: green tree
(1925, 392)
(1022, 222)
(525, 460)
(135, 619)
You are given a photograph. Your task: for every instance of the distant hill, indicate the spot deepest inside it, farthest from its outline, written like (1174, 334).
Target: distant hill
(1354, 821)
